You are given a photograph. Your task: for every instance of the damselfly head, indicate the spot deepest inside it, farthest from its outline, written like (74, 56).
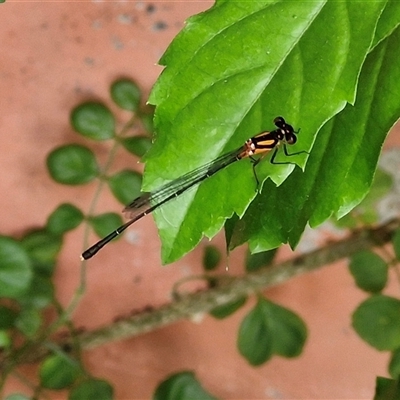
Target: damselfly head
(285, 131)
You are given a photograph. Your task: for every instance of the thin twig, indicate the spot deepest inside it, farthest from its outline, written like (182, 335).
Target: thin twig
(234, 288)
(227, 290)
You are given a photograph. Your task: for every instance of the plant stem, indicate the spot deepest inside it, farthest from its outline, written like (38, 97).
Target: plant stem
(227, 290)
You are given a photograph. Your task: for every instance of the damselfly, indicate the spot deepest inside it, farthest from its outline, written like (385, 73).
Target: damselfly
(148, 202)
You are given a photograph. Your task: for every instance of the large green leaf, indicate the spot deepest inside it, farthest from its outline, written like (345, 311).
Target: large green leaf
(228, 74)
(376, 320)
(389, 20)
(341, 167)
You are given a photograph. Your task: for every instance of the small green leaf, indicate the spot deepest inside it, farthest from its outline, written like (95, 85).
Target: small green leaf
(181, 386)
(258, 260)
(369, 271)
(93, 389)
(64, 218)
(387, 389)
(211, 258)
(105, 223)
(7, 317)
(29, 321)
(58, 372)
(396, 243)
(394, 365)
(40, 293)
(377, 321)
(15, 268)
(271, 329)
(225, 310)
(72, 164)
(43, 248)
(126, 94)
(93, 120)
(125, 185)
(288, 330)
(137, 145)
(5, 340)
(255, 340)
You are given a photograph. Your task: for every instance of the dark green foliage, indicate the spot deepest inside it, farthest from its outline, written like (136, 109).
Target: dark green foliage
(377, 321)
(387, 389)
(58, 372)
(259, 260)
(105, 223)
(43, 248)
(396, 244)
(92, 389)
(15, 268)
(125, 185)
(369, 271)
(137, 145)
(181, 386)
(65, 218)
(7, 317)
(227, 309)
(270, 329)
(394, 365)
(211, 258)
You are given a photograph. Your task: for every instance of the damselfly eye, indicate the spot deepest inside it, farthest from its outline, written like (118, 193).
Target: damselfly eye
(291, 139)
(279, 122)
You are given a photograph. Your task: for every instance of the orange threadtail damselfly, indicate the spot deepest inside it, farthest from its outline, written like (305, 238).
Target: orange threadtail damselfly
(148, 202)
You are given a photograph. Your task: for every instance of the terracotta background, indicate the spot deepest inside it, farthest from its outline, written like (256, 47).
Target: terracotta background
(57, 54)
